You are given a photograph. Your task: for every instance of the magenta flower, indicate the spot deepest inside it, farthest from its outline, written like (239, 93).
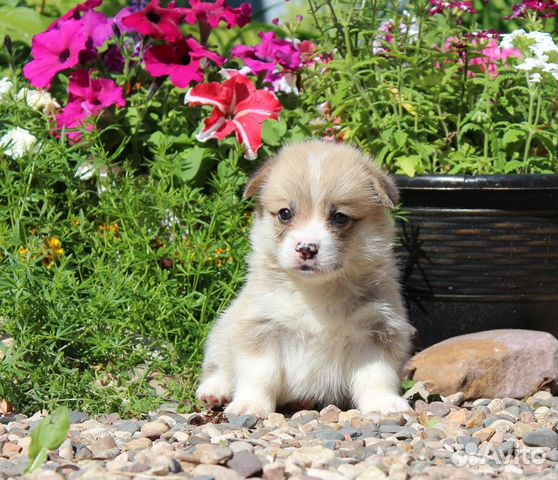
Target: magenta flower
(77, 12)
(543, 9)
(73, 119)
(157, 22)
(181, 61)
(95, 94)
(214, 13)
(441, 6)
(54, 51)
(238, 108)
(271, 53)
(88, 97)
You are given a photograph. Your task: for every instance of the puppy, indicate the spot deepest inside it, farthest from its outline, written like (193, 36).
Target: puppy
(320, 318)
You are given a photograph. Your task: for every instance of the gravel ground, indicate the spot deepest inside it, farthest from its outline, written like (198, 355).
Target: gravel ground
(498, 438)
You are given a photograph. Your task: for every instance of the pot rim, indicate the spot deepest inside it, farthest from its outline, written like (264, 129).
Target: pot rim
(478, 182)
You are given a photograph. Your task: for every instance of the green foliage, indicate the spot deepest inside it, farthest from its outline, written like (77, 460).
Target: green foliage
(109, 285)
(414, 103)
(47, 436)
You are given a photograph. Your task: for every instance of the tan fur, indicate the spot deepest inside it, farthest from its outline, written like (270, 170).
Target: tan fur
(328, 329)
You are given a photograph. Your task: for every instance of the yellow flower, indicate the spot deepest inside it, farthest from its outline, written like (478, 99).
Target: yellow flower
(110, 227)
(220, 251)
(24, 251)
(54, 243)
(53, 251)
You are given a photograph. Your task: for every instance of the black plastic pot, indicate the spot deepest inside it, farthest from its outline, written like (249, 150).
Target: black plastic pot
(479, 253)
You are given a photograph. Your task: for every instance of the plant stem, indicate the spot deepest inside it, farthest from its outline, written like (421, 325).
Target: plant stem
(532, 126)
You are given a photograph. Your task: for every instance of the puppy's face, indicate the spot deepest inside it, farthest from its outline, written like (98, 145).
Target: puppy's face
(321, 210)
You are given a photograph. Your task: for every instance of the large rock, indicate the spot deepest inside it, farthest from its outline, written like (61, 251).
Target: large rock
(491, 364)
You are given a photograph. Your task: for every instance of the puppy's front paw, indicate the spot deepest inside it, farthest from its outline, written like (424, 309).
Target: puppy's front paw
(214, 392)
(259, 407)
(385, 403)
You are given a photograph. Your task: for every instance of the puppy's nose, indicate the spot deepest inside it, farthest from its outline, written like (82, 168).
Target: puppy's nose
(306, 250)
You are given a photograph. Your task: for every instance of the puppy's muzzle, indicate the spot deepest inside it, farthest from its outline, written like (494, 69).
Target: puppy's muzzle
(306, 250)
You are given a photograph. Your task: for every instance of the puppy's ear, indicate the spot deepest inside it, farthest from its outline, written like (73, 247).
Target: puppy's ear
(384, 188)
(257, 180)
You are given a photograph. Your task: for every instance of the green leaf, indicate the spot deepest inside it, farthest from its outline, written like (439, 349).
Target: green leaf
(409, 165)
(273, 132)
(513, 166)
(512, 136)
(22, 23)
(432, 422)
(192, 164)
(48, 435)
(400, 138)
(407, 384)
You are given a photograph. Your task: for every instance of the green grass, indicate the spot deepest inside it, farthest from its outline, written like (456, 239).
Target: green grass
(129, 302)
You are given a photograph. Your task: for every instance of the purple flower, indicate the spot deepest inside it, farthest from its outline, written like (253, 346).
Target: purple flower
(441, 6)
(543, 9)
(271, 53)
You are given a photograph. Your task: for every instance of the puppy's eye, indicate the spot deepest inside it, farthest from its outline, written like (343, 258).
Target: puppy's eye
(285, 215)
(339, 219)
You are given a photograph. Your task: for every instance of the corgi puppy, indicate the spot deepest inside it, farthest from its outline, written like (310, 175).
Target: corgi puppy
(320, 319)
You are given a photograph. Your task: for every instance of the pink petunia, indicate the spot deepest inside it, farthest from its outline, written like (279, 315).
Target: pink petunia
(157, 22)
(238, 108)
(88, 97)
(181, 61)
(459, 7)
(74, 119)
(212, 13)
(54, 51)
(97, 26)
(481, 52)
(271, 53)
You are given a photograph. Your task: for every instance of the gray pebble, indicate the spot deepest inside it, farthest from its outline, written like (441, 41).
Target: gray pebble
(390, 428)
(245, 421)
(78, 417)
(543, 437)
(127, 426)
(351, 431)
(330, 444)
(552, 455)
(507, 447)
(439, 409)
(513, 410)
(405, 432)
(489, 420)
(328, 435)
(13, 467)
(83, 453)
(464, 440)
(246, 464)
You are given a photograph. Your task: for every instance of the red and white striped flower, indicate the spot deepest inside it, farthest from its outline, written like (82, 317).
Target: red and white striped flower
(238, 107)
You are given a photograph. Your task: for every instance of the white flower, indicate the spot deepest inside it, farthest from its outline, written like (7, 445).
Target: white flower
(535, 78)
(508, 39)
(17, 142)
(227, 73)
(85, 171)
(5, 86)
(530, 64)
(38, 100)
(285, 83)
